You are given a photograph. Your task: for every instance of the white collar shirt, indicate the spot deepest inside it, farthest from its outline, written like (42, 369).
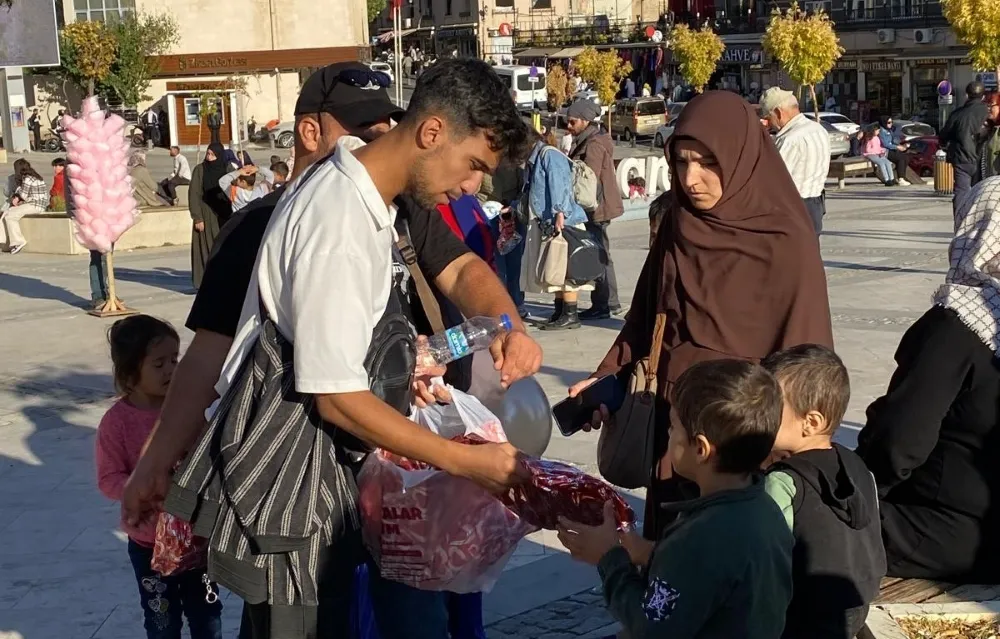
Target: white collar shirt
(804, 145)
(322, 275)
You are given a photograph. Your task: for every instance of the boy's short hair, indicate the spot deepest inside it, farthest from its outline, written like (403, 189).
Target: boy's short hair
(59, 162)
(249, 180)
(280, 168)
(813, 378)
(275, 159)
(736, 405)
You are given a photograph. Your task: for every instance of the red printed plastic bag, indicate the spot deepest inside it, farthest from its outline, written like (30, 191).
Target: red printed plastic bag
(176, 548)
(558, 490)
(431, 530)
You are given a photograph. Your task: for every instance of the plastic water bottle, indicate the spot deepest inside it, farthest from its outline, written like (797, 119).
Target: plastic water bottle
(476, 334)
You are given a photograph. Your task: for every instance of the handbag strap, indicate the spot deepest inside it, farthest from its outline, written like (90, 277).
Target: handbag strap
(655, 348)
(427, 299)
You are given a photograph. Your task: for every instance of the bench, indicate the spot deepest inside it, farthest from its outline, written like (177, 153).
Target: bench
(53, 232)
(850, 167)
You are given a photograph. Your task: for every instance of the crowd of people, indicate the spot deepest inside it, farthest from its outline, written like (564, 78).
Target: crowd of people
(757, 523)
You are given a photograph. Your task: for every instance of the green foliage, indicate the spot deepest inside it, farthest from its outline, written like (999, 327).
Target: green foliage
(602, 70)
(138, 37)
(557, 84)
(375, 8)
(698, 53)
(805, 44)
(87, 51)
(977, 24)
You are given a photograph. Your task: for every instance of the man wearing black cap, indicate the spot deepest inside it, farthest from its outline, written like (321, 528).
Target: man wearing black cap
(322, 113)
(960, 136)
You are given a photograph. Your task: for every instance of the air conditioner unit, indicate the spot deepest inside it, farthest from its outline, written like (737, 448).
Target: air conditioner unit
(886, 36)
(923, 36)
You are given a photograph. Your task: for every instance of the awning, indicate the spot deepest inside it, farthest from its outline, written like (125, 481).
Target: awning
(388, 35)
(571, 52)
(543, 52)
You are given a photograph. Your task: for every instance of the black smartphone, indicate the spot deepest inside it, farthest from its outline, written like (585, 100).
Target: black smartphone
(573, 413)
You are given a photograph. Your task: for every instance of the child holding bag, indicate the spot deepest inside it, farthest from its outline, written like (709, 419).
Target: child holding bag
(144, 354)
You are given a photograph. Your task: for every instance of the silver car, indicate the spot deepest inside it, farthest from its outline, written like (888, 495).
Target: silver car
(840, 142)
(284, 134)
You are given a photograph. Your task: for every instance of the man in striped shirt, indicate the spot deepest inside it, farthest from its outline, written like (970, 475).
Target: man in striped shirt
(804, 145)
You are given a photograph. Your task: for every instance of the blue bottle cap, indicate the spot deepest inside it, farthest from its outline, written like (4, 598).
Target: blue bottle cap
(505, 321)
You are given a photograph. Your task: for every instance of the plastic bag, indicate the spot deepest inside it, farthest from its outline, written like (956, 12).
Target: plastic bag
(431, 530)
(508, 238)
(559, 490)
(176, 549)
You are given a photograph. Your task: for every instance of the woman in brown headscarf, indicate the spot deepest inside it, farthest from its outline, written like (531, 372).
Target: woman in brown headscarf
(735, 263)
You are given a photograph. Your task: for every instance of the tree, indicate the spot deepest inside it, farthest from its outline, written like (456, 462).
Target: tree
(977, 24)
(87, 52)
(138, 37)
(805, 44)
(557, 85)
(602, 70)
(698, 52)
(210, 102)
(375, 8)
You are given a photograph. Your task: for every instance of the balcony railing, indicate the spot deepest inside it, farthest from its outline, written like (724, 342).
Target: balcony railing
(918, 12)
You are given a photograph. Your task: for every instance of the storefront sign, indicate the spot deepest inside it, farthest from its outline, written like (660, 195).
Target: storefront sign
(742, 55)
(225, 63)
(213, 63)
(505, 29)
(465, 32)
(931, 62)
(869, 66)
(846, 65)
(653, 169)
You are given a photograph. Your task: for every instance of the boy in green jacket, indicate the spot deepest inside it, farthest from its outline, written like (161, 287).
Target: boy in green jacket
(724, 569)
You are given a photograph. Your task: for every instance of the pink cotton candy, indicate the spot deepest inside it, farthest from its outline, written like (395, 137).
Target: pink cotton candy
(103, 205)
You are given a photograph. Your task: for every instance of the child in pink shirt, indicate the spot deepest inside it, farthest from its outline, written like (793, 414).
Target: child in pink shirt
(871, 148)
(144, 354)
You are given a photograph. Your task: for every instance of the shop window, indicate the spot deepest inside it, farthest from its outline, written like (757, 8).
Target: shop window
(541, 4)
(505, 3)
(192, 107)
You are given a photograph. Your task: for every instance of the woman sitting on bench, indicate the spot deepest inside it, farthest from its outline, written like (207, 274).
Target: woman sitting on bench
(871, 147)
(932, 441)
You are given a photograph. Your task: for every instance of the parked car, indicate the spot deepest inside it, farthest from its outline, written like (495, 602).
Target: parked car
(907, 130)
(840, 142)
(664, 132)
(526, 94)
(385, 68)
(922, 152)
(674, 109)
(637, 117)
(284, 134)
(838, 121)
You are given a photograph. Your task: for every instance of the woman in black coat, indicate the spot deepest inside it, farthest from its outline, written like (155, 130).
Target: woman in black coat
(932, 440)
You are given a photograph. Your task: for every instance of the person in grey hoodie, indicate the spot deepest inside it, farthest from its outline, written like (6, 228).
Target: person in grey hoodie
(246, 184)
(593, 146)
(960, 139)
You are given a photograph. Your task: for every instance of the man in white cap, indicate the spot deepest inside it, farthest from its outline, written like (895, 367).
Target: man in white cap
(804, 145)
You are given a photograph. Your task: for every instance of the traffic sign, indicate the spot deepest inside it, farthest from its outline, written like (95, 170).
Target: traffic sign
(533, 73)
(945, 100)
(944, 88)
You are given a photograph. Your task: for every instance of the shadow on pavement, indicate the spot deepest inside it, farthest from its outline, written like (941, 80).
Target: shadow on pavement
(35, 288)
(880, 268)
(63, 568)
(169, 279)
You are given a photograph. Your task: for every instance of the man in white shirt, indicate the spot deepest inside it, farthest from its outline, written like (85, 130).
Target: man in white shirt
(180, 176)
(323, 272)
(804, 145)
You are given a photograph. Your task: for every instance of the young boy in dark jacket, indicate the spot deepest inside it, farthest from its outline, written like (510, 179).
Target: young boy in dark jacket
(723, 570)
(828, 498)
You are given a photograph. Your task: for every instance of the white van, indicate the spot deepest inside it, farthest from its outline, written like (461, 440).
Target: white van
(526, 94)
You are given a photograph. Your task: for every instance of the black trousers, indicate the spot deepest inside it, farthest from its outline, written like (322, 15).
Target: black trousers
(963, 182)
(605, 294)
(817, 209)
(901, 161)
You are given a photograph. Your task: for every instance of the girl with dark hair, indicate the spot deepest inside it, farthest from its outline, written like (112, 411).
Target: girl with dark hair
(31, 196)
(871, 148)
(143, 356)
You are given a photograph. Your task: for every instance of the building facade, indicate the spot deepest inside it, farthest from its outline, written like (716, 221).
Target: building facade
(255, 54)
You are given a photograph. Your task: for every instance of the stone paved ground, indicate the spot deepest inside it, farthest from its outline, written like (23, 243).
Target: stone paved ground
(63, 569)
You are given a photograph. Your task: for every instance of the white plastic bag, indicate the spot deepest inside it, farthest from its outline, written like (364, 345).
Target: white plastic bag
(431, 530)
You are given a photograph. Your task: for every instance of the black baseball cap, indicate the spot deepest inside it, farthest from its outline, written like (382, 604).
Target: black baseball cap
(351, 92)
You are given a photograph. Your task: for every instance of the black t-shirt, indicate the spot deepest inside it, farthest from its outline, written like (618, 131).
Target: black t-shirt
(219, 302)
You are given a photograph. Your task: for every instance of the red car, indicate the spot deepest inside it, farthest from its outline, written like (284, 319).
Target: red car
(922, 152)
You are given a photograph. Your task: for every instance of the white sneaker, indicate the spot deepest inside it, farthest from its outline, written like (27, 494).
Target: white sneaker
(17, 249)
(902, 182)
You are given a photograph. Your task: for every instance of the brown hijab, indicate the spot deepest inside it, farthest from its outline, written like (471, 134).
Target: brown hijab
(743, 279)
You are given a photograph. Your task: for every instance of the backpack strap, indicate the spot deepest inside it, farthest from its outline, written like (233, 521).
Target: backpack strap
(427, 299)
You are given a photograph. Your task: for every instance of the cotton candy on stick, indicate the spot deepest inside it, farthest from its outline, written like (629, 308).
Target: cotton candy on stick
(101, 197)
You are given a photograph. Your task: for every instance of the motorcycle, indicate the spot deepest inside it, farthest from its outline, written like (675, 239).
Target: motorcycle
(55, 142)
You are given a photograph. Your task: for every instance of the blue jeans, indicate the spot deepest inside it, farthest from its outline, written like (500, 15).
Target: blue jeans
(883, 166)
(403, 612)
(509, 265)
(98, 276)
(165, 599)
